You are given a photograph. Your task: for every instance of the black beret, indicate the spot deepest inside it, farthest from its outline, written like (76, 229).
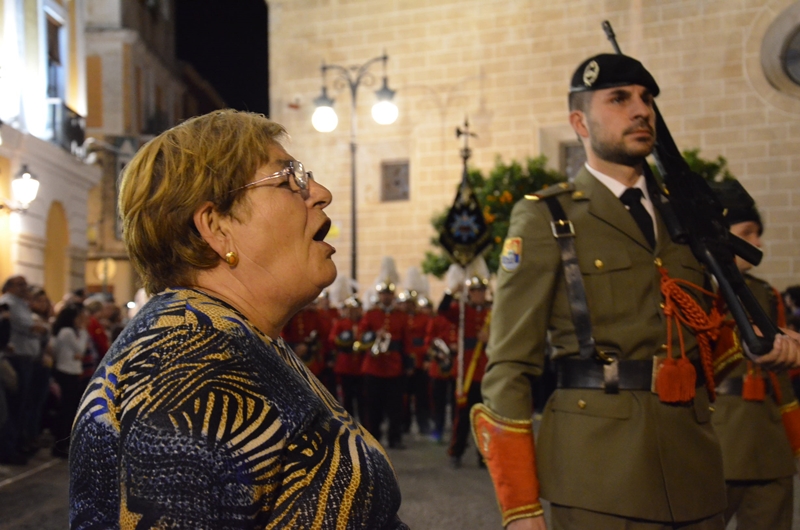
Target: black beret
(739, 205)
(609, 70)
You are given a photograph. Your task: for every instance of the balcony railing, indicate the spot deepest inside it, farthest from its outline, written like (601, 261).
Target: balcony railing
(67, 128)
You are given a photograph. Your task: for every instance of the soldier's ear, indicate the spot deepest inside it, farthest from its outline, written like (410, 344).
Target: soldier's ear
(577, 118)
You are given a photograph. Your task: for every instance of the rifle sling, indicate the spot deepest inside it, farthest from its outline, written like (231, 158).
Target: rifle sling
(564, 232)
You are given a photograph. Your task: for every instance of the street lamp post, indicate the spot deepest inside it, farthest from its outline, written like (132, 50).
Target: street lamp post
(325, 120)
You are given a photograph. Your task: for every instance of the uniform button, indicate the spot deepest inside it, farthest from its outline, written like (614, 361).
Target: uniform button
(581, 404)
(577, 195)
(662, 305)
(712, 409)
(658, 262)
(563, 185)
(598, 263)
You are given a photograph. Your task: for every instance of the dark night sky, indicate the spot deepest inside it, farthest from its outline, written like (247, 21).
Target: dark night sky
(226, 42)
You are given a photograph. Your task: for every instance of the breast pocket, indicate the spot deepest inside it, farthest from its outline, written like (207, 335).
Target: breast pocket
(604, 271)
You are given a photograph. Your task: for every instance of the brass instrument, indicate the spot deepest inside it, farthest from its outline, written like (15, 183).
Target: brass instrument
(312, 347)
(441, 354)
(381, 345)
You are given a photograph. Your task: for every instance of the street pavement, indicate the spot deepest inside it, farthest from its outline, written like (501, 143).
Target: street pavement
(435, 496)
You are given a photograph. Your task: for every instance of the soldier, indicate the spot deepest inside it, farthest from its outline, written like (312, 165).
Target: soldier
(302, 334)
(416, 402)
(476, 335)
(347, 362)
(326, 316)
(382, 332)
(758, 452)
(611, 453)
(441, 338)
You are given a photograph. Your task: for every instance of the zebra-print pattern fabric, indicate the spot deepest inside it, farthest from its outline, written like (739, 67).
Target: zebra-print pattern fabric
(195, 419)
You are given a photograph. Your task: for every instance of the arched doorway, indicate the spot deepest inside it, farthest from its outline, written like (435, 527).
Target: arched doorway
(56, 260)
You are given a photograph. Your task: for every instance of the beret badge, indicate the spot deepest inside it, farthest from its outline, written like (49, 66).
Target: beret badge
(591, 73)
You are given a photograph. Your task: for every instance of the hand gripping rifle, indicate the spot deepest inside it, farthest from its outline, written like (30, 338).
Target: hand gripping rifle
(694, 216)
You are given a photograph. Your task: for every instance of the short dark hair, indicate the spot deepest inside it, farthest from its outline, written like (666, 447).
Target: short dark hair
(579, 101)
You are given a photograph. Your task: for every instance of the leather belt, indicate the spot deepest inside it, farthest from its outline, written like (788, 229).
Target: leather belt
(592, 374)
(733, 386)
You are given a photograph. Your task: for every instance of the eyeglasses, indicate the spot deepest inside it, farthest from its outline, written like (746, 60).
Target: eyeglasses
(294, 169)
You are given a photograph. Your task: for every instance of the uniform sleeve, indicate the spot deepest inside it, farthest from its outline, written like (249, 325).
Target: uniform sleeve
(521, 311)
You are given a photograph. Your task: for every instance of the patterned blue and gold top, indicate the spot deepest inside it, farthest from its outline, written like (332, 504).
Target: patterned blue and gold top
(196, 419)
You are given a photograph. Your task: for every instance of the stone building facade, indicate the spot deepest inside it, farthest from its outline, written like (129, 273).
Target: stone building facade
(137, 88)
(43, 104)
(507, 64)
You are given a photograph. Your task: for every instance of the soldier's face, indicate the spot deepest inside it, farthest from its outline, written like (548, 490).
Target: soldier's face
(621, 124)
(749, 231)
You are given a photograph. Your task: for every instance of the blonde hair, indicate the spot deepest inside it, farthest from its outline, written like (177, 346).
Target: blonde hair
(200, 160)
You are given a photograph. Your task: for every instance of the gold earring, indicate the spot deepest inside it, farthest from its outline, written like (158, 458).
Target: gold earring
(232, 259)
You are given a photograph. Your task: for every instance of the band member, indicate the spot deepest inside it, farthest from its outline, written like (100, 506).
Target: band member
(441, 342)
(416, 326)
(303, 333)
(476, 335)
(347, 362)
(326, 315)
(382, 340)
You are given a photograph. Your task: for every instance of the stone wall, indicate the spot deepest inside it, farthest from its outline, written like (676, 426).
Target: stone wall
(506, 64)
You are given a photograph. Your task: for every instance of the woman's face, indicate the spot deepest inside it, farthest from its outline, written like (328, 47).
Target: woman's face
(279, 235)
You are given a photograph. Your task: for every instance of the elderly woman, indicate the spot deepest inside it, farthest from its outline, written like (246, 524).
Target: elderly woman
(200, 416)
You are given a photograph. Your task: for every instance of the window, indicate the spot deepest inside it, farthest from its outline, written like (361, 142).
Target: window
(394, 181)
(791, 58)
(780, 51)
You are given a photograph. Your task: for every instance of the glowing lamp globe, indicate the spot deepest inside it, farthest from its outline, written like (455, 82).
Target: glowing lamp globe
(384, 112)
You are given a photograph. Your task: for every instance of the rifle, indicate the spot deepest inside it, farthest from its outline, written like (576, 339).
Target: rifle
(694, 216)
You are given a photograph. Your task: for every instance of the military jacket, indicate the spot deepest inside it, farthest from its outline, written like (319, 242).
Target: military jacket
(416, 326)
(441, 328)
(754, 443)
(348, 362)
(391, 363)
(299, 330)
(626, 454)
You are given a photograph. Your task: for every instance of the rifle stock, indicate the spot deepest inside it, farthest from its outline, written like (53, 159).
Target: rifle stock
(697, 215)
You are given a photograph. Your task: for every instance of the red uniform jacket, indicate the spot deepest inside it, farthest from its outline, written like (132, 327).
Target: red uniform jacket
(98, 335)
(298, 330)
(416, 328)
(347, 361)
(440, 328)
(474, 317)
(326, 319)
(391, 363)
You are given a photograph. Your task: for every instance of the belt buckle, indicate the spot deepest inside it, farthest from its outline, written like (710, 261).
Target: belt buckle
(562, 228)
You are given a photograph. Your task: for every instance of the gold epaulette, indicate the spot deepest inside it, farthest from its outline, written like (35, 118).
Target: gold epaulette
(552, 191)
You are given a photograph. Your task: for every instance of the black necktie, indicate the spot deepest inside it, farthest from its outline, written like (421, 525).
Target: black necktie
(632, 198)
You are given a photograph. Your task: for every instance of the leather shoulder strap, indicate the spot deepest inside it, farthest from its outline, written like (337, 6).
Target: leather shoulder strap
(564, 232)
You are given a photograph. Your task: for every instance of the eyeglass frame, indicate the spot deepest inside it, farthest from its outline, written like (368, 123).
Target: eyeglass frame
(289, 170)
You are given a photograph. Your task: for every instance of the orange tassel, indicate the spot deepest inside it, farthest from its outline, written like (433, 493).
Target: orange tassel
(688, 379)
(668, 381)
(753, 386)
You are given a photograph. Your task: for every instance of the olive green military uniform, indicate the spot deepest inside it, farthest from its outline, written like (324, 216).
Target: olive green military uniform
(625, 454)
(758, 460)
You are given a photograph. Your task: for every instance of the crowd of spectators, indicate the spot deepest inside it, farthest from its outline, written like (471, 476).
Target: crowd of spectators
(48, 352)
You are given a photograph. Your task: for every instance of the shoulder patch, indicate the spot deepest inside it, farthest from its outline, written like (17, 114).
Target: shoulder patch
(511, 254)
(551, 191)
